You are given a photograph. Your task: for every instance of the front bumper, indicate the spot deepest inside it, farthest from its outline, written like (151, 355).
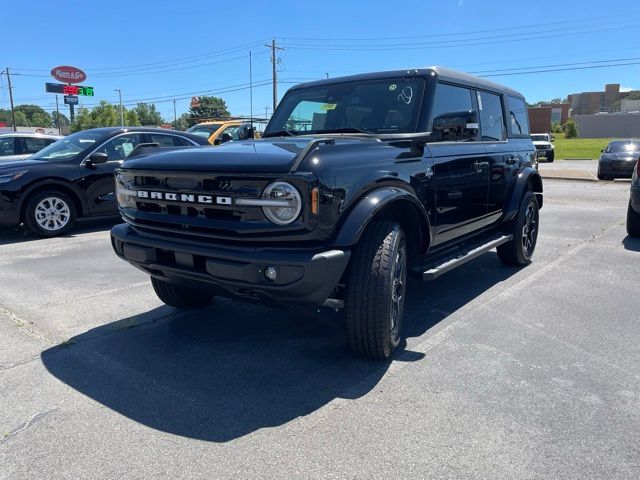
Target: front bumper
(304, 276)
(635, 197)
(616, 168)
(544, 152)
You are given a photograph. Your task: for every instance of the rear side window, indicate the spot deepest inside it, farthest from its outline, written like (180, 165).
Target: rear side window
(34, 145)
(168, 140)
(491, 117)
(518, 120)
(6, 147)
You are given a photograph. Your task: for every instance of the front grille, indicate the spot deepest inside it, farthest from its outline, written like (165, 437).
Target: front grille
(191, 217)
(541, 147)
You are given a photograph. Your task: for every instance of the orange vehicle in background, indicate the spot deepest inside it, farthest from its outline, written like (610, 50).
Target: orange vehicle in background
(222, 131)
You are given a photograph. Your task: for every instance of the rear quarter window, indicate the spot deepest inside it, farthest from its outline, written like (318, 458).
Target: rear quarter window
(518, 120)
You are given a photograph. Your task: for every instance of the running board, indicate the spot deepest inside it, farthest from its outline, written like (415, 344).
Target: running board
(433, 270)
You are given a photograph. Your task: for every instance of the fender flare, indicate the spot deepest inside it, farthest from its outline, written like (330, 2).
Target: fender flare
(357, 220)
(527, 175)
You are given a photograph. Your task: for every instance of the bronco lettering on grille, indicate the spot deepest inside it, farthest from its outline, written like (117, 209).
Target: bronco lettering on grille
(184, 197)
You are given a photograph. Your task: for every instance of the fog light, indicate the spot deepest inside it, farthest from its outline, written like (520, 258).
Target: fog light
(270, 273)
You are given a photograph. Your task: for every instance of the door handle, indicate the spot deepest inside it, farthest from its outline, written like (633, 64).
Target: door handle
(510, 159)
(480, 165)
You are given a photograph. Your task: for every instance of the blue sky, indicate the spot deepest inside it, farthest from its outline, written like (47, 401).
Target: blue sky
(156, 51)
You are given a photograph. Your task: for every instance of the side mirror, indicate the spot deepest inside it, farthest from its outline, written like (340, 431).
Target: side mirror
(457, 125)
(602, 150)
(96, 159)
(553, 139)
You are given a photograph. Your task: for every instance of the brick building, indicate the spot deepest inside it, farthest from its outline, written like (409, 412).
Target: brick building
(543, 117)
(589, 103)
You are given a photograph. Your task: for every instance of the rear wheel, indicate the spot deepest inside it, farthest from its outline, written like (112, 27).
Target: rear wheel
(178, 295)
(524, 229)
(50, 213)
(633, 222)
(375, 290)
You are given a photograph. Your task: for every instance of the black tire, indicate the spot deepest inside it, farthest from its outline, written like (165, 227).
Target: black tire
(633, 222)
(179, 296)
(375, 290)
(524, 229)
(550, 157)
(603, 177)
(50, 213)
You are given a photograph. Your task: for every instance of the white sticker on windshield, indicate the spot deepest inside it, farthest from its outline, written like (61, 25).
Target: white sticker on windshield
(406, 95)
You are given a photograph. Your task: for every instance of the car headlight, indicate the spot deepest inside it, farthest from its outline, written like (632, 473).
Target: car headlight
(10, 177)
(284, 203)
(126, 197)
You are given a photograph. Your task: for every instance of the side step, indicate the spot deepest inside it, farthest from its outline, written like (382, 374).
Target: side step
(433, 269)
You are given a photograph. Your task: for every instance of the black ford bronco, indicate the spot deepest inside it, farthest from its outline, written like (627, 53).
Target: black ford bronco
(357, 182)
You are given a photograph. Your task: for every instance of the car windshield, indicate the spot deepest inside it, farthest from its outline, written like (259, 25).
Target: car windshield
(204, 130)
(539, 138)
(623, 147)
(377, 106)
(69, 147)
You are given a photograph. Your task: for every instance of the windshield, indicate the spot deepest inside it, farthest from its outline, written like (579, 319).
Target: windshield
(204, 130)
(375, 106)
(623, 147)
(69, 147)
(539, 138)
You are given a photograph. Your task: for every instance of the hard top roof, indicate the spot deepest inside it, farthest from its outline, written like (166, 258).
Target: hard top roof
(442, 73)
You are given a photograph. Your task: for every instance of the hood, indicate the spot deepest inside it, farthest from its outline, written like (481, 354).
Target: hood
(17, 165)
(273, 155)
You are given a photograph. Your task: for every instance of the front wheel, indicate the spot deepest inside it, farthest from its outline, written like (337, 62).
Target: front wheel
(50, 213)
(524, 229)
(633, 222)
(375, 290)
(179, 296)
(551, 157)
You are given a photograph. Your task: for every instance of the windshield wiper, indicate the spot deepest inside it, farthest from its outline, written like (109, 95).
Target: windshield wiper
(344, 130)
(281, 133)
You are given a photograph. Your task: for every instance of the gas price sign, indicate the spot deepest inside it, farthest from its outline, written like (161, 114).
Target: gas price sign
(69, 89)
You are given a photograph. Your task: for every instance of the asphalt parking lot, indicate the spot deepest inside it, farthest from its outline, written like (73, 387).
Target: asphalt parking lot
(506, 373)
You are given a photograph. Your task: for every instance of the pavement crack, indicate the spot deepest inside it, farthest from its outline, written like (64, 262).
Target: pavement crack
(24, 425)
(25, 326)
(24, 361)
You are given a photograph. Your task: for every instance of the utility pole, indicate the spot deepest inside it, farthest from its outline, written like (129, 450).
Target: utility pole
(175, 115)
(58, 116)
(250, 93)
(121, 111)
(266, 110)
(273, 48)
(13, 113)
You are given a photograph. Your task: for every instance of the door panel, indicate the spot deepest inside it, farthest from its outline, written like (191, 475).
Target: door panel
(461, 179)
(98, 181)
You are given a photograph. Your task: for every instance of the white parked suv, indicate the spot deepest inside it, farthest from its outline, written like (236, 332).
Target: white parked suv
(18, 146)
(544, 147)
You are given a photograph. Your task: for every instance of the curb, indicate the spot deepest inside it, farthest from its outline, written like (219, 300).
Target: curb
(570, 178)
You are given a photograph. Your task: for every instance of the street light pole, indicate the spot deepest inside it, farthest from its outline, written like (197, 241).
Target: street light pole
(121, 111)
(175, 115)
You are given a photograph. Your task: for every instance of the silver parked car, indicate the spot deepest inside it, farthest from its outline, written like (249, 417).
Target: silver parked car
(18, 146)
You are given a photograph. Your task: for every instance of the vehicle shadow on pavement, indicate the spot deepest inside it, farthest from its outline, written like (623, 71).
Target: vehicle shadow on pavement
(222, 372)
(20, 234)
(631, 243)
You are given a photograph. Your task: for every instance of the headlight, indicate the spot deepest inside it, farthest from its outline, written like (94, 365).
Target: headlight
(285, 203)
(126, 197)
(11, 176)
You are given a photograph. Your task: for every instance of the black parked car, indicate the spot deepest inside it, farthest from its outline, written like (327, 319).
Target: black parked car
(619, 159)
(356, 182)
(633, 210)
(73, 177)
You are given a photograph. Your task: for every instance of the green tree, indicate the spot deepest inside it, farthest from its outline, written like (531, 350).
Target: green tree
(148, 115)
(131, 118)
(59, 120)
(182, 123)
(570, 129)
(208, 108)
(36, 116)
